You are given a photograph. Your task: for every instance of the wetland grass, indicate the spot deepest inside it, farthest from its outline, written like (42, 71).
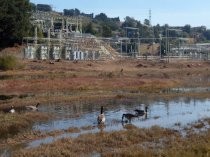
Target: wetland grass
(102, 80)
(152, 142)
(12, 124)
(90, 143)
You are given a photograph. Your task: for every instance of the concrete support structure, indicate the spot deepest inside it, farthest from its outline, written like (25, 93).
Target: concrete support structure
(56, 52)
(30, 52)
(43, 52)
(68, 53)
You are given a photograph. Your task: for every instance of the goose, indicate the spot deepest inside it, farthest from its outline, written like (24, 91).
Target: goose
(101, 117)
(128, 116)
(12, 110)
(34, 108)
(141, 112)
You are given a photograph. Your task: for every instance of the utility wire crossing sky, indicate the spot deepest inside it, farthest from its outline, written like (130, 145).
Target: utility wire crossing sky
(172, 12)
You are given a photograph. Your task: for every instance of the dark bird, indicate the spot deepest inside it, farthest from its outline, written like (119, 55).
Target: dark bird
(141, 112)
(101, 117)
(33, 107)
(128, 116)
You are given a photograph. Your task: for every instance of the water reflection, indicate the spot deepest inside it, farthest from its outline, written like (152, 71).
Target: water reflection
(7, 151)
(164, 114)
(170, 114)
(186, 90)
(50, 139)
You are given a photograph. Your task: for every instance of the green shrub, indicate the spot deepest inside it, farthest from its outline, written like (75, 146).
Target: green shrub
(8, 62)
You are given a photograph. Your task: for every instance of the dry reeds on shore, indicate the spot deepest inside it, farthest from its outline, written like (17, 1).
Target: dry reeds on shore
(151, 142)
(12, 124)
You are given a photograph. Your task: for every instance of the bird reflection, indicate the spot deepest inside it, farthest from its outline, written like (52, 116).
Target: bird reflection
(128, 125)
(127, 117)
(101, 127)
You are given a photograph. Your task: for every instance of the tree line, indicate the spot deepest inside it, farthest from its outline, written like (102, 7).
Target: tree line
(14, 21)
(15, 24)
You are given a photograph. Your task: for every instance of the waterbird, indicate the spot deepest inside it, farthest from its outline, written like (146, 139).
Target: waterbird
(33, 107)
(128, 116)
(101, 117)
(141, 112)
(12, 110)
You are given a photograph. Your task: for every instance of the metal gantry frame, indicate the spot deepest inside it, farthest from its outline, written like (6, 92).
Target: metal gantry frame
(63, 39)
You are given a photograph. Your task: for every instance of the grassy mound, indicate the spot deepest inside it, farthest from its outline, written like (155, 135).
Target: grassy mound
(12, 124)
(8, 62)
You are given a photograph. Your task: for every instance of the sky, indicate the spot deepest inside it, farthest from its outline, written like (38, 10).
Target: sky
(172, 12)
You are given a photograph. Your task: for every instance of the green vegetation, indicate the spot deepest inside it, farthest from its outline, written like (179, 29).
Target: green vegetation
(104, 26)
(14, 19)
(15, 24)
(12, 124)
(89, 83)
(8, 62)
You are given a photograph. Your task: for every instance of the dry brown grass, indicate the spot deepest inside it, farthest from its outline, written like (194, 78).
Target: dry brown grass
(132, 142)
(67, 76)
(26, 136)
(65, 82)
(102, 143)
(12, 124)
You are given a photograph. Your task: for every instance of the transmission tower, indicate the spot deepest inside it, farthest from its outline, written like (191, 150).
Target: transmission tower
(150, 17)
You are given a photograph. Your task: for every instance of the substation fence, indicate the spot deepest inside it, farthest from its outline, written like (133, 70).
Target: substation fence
(173, 58)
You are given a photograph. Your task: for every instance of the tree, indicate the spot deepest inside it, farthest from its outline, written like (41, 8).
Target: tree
(69, 12)
(207, 34)
(101, 17)
(187, 29)
(44, 7)
(157, 31)
(76, 12)
(33, 6)
(89, 28)
(106, 31)
(147, 22)
(129, 22)
(14, 21)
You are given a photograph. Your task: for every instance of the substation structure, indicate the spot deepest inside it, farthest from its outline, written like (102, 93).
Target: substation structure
(65, 40)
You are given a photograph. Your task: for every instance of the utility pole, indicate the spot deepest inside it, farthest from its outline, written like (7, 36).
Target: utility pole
(48, 43)
(35, 38)
(150, 25)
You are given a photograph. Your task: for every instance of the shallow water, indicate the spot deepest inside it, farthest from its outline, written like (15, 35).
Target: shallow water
(172, 114)
(7, 151)
(164, 114)
(186, 90)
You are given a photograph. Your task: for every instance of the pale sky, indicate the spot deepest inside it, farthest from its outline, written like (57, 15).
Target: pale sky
(172, 12)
